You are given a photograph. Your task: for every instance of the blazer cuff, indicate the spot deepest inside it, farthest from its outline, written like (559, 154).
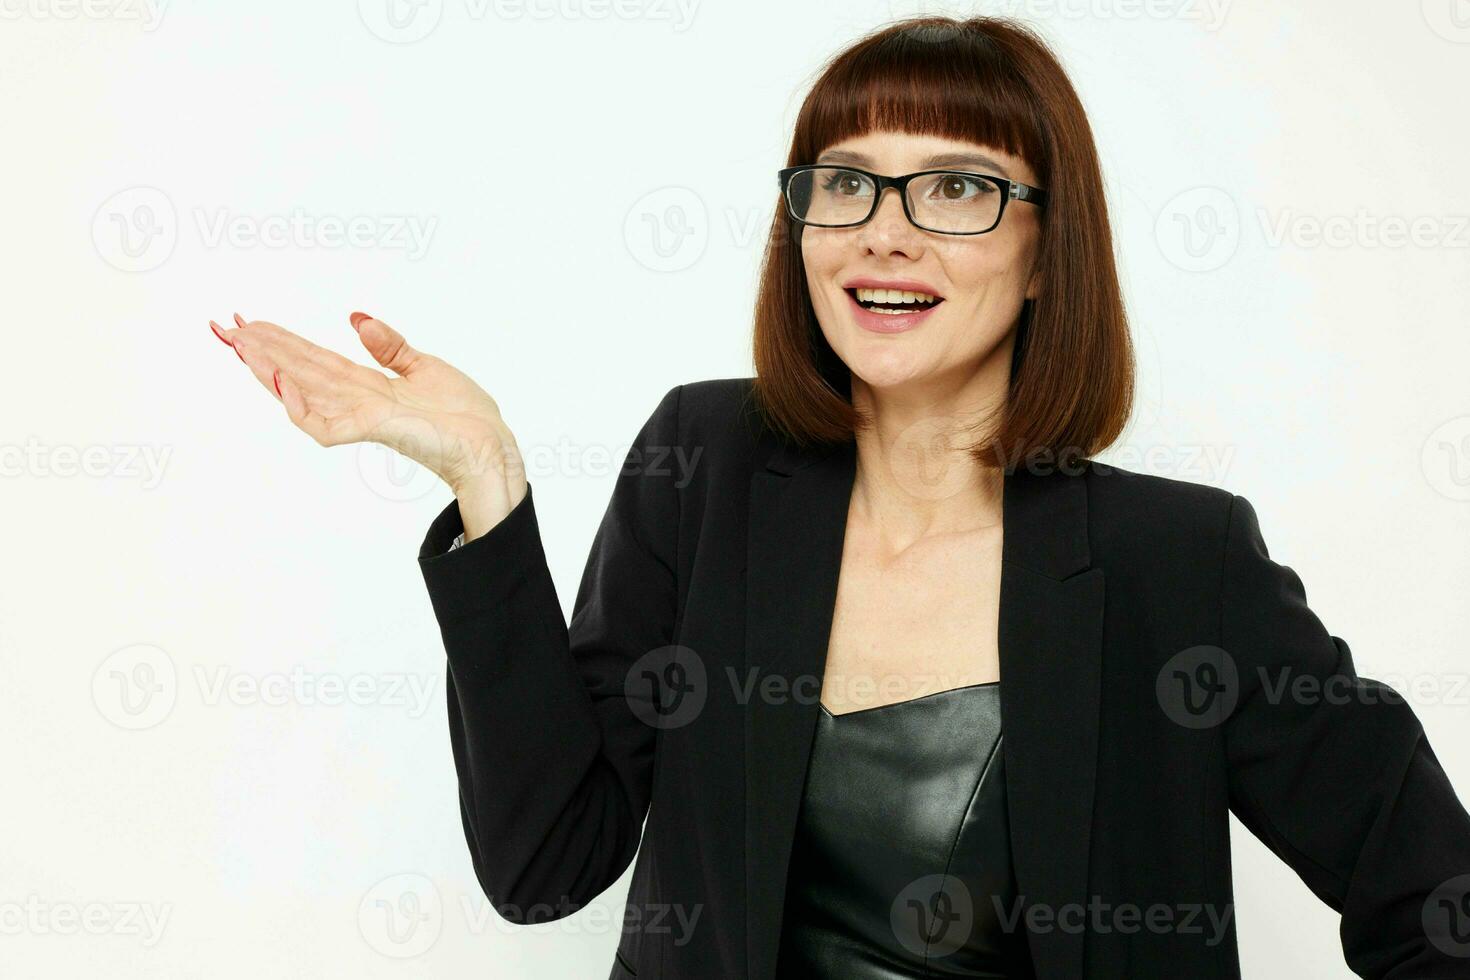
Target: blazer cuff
(473, 577)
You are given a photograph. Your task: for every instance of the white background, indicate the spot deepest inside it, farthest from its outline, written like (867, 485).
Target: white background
(536, 147)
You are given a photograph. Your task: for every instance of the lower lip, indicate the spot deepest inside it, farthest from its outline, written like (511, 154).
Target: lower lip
(887, 322)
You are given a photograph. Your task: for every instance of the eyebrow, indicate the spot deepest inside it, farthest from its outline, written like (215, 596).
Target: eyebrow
(937, 160)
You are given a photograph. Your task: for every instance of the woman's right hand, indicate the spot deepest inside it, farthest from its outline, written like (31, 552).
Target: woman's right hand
(432, 412)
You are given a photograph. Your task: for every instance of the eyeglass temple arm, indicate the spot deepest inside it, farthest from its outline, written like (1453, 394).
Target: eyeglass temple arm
(1025, 192)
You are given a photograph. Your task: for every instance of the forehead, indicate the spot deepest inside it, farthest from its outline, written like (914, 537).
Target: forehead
(896, 153)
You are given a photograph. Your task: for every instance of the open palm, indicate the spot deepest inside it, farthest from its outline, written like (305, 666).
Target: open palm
(431, 412)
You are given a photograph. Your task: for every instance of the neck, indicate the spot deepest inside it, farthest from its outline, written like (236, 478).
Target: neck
(915, 474)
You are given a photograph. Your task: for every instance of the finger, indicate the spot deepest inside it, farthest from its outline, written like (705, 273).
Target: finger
(224, 338)
(325, 391)
(327, 371)
(301, 415)
(386, 345)
(276, 340)
(255, 359)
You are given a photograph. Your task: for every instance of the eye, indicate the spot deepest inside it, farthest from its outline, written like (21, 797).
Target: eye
(959, 187)
(844, 183)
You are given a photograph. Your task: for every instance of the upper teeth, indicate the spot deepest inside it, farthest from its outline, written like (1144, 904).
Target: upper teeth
(893, 296)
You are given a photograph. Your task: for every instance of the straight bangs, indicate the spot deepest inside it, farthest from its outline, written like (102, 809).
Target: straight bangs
(932, 80)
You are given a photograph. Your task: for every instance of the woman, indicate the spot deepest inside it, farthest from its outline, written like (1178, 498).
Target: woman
(904, 683)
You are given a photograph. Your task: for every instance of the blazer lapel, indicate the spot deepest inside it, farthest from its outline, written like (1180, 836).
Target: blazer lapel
(1050, 633)
(797, 522)
(1050, 645)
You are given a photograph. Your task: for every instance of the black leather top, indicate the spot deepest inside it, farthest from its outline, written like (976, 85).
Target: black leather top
(902, 864)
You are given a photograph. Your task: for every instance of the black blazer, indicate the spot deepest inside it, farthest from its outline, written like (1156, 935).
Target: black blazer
(1156, 666)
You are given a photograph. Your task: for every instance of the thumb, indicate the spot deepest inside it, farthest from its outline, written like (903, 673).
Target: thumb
(386, 344)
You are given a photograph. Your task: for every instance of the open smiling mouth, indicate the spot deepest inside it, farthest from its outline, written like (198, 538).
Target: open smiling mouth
(893, 301)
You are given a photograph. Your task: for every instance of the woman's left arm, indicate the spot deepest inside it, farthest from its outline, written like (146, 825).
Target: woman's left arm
(1334, 774)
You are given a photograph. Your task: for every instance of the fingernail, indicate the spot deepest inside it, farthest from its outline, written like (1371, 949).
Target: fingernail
(276, 377)
(239, 320)
(357, 319)
(219, 332)
(238, 354)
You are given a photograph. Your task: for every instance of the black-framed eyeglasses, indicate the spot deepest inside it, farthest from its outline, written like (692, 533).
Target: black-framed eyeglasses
(950, 202)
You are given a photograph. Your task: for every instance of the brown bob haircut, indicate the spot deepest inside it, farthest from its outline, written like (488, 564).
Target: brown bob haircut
(995, 82)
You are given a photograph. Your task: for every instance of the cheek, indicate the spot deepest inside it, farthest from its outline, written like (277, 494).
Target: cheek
(818, 253)
(991, 271)
(822, 261)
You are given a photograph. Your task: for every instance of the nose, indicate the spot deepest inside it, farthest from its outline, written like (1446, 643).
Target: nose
(889, 230)
(890, 207)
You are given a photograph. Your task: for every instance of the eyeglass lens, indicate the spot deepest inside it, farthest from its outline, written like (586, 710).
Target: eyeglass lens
(945, 202)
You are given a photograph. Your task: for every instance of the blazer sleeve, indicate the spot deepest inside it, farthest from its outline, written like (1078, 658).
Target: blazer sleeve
(554, 767)
(1333, 773)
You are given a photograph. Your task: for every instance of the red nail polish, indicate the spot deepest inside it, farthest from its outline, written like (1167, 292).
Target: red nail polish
(276, 377)
(239, 320)
(357, 319)
(238, 354)
(219, 332)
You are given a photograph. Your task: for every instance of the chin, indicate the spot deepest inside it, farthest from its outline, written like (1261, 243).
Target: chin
(889, 368)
